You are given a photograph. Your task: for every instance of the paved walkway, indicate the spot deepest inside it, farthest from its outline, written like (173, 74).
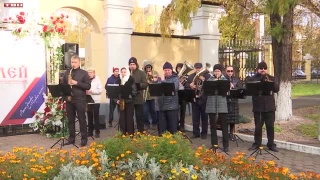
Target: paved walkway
(295, 161)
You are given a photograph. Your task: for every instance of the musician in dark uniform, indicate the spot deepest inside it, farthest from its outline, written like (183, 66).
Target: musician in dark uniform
(233, 104)
(80, 81)
(140, 78)
(199, 104)
(182, 102)
(216, 107)
(264, 108)
(125, 103)
(169, 105)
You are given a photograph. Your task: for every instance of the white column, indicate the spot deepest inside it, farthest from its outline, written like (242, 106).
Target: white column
(117, 31)
(205, 26)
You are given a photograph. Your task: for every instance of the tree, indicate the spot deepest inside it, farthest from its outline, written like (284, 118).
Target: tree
(280, 14)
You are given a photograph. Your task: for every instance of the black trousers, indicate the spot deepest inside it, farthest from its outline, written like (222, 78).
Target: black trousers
(168, 121)
(112, 106)
(138, 111)
(259, 119)
(93, 118)
(183, 106)
(126, 122)
(77, 108)
(199, 115)
(224, 127)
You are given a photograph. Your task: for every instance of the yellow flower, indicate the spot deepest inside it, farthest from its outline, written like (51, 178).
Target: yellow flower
(107, 174)
(122, 155)
(163, 161)
(194, 176)
(196, 167)
(173, 171)
(128, 152)
(271, 163)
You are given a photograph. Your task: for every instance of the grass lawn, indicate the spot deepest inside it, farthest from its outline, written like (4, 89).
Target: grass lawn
(305, 89)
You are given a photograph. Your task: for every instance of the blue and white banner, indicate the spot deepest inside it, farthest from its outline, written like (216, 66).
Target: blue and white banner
(22, 78)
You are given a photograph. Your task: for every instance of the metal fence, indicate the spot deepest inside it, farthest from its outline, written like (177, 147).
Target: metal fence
(242, 55)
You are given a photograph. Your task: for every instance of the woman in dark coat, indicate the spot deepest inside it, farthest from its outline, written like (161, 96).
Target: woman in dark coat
(233, 104)
(217, 105)
(125, 102)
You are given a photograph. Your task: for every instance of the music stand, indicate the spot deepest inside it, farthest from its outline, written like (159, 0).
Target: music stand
(114, 91)
(216, 88)
(236, 94)
(162, 89)
(258, 88)
(60, 91)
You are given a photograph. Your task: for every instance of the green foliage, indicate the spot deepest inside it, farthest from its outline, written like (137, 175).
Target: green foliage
(310, 130)
(314, 117)
(178, 10)
(305, 89)
(158, 147)
(71, 172)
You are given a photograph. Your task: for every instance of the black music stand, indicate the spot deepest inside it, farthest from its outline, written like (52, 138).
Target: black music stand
(236, 94)
(114, 91)
(162, 89)
(61, 91)
(216, 88)
(258, 88)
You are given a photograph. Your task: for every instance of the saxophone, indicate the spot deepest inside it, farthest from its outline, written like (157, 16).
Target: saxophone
(69, 98)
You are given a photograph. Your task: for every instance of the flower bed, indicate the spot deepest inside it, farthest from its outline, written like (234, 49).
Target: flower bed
(137, 157)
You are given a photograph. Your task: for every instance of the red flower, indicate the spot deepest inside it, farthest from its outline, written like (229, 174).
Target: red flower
(33, 113)
(67, 16)
(37, 116)
(5, 20)
(45, 28)
(10, 18)
(22, 13)
(47, 109)
(51, 17)
(61, 21)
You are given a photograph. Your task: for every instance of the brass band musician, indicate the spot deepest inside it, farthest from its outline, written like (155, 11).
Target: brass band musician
(216, 107)
(125, 102)
(182, 102)
(149, 102)
(264, 109)
(199, 104)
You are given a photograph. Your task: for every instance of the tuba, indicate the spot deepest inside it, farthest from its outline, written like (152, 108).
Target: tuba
(198, 82)
(186, 68)
(69, 98)
(122, 104)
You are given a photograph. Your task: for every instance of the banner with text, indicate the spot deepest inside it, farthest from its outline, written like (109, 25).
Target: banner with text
(22, 78)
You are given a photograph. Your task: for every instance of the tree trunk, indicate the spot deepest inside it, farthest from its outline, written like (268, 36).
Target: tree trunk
(282, 59)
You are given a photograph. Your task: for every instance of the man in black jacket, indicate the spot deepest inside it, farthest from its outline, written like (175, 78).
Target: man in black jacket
(79, 81)
(264, 109)
(140, 79)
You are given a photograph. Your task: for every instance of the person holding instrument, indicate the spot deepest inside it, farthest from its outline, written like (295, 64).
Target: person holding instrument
(125, 102)
(216, 107)
(264, 108)
(233, 104)
(169, 105)
(182, 102)
(79, 81)
(140, 78)
(199, 104)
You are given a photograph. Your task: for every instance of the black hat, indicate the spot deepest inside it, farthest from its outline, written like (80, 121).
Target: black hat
(133, 60)
(179, 65)
(167, 65)
(197, 65)
(262, 64)
(218, 66)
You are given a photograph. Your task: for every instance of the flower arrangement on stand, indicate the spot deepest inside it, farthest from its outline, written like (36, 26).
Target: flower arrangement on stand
(49, 122)
(51, 31)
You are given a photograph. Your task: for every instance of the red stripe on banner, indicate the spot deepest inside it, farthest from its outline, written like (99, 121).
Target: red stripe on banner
(8, 121)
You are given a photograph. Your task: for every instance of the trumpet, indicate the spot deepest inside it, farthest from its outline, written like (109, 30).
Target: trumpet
(146, 93)
(69, 98)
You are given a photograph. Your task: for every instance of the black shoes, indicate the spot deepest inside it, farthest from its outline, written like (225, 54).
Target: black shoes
(83, 142)
(274, 149)
(97, 135)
